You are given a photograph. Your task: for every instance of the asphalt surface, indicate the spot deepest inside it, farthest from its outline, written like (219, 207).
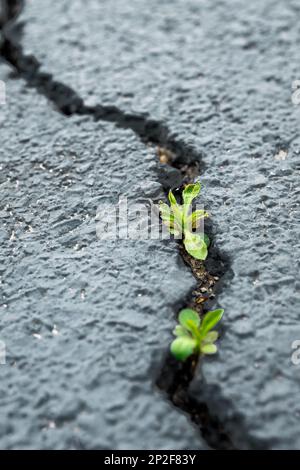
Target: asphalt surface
(220, 76)
(86, 322)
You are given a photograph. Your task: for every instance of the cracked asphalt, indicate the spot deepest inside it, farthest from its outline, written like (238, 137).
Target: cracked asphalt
(87, 324)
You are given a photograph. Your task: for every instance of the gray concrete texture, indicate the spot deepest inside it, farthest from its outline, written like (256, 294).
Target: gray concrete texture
(84, 320)
(219, 75)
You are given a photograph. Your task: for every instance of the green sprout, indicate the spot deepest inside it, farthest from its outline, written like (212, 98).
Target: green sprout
(180, 220)
(194, 336)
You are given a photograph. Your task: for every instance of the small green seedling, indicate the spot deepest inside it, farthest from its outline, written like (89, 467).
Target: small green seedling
(194, 336)
(181, 221)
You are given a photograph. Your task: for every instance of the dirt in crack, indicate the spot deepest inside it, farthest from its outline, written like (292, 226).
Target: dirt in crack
(175, 378)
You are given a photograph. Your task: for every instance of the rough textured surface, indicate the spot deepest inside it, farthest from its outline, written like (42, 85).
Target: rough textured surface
(256, 205)
(221, 79)
(83, 321)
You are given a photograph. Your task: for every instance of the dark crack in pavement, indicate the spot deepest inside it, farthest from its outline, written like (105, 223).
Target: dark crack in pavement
(217, 83)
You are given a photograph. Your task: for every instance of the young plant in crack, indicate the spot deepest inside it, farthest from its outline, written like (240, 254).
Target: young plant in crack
(194, 336)
(182, 222)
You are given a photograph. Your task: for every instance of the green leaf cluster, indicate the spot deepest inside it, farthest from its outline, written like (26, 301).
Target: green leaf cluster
(193, 335)
(181, 221)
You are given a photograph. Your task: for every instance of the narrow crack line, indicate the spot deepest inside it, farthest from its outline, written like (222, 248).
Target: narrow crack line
(67, 101)
(174, 379)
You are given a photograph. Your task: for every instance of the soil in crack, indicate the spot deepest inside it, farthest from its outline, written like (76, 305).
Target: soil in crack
(175, 377)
